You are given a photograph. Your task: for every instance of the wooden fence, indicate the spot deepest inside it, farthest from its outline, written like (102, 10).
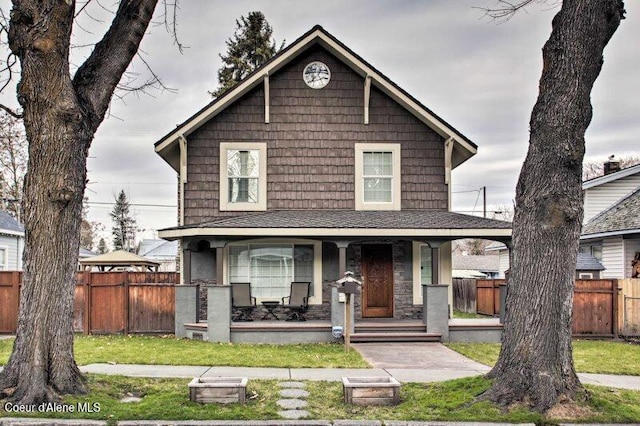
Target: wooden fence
(488, 296)
(629, 306)
(464, 295)
(106, 302)
(595, 305)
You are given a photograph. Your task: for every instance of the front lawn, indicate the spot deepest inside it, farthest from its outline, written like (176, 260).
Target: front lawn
(170, 351)
(168, 399)
(589, 356)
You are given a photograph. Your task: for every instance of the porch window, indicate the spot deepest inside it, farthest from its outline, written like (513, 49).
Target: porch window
(377, 185)
(243, 179)
(425, 265)
(270, 268)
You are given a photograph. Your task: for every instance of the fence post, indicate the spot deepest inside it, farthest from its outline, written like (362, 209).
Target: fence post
(614, 307)
(88, 277)
(503, 301)
(436, 308)
(125, 289)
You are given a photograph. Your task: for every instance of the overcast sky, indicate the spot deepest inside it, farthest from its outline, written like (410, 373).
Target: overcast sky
(479, 76)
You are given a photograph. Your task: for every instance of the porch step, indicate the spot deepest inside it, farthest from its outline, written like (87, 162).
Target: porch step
(390, 327)
(395, 337)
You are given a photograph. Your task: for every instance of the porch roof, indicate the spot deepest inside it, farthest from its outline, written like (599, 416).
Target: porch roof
(343, 223)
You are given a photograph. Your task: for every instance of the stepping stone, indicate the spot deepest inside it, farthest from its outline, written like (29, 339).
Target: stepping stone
(130, 399)
(291, 404)
(293, 414)
(298, 385)
(294, 393)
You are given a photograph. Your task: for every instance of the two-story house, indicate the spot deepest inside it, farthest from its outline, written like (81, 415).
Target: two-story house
(611, 231)
(317, 164)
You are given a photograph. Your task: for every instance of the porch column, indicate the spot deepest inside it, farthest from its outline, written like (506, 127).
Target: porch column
(435, 263)
(435, 309)
(338, 307)
(219, 313)
(186, 309)
(186, 265)
(220, 265)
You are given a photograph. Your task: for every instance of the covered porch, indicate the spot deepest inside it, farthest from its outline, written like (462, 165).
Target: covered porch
(403, 259)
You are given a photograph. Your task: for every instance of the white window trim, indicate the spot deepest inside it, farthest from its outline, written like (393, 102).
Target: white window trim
(4, 260)
(585, 275)
(316, 299)
(396, 195)
(261, 205)
(417, 285)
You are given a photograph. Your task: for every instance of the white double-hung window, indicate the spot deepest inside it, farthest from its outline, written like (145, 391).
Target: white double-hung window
(243, 176)
(377, 185)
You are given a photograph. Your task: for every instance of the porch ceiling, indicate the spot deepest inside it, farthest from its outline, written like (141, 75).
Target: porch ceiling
(348, 223)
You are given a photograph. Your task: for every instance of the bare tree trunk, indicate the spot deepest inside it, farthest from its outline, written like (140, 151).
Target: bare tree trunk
(535, 366)
(61, 116)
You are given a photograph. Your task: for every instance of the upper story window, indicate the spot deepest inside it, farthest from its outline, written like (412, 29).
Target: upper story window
(243, 176)
(377, 185)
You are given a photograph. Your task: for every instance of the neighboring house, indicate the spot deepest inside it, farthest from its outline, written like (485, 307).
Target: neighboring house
(317, 164)
(611, 232)
(610, 237)
(11, 243)
(162, 251)
(587, 266)
(475, 266)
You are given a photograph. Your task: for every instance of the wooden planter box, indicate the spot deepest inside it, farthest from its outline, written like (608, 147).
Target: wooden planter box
(371, 390)
(222, 390)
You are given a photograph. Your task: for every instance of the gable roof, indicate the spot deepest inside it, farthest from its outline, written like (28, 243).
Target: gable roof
(10, 226)
(621, 218)
(157, 248)
(611, 177)
(481, 263)
(168, 146)
(586, 262)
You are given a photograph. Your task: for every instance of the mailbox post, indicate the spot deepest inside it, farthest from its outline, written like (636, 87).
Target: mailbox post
(348, 286)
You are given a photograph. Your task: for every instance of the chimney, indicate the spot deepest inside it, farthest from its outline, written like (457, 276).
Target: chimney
(611, 166)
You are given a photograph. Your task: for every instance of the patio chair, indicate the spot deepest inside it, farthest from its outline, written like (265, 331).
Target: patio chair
(297, 301)
(242, 303)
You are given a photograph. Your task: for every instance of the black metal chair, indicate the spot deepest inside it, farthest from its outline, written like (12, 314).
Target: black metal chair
(297, 301)
(242, 303)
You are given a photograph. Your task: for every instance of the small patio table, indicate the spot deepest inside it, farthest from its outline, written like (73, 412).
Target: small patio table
(270, 306)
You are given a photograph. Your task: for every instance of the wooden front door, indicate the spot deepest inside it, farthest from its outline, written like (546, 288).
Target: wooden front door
(377, 286)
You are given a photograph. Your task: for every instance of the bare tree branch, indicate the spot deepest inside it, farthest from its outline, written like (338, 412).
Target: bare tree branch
(100, 74)
(12, 112)
(504, 9)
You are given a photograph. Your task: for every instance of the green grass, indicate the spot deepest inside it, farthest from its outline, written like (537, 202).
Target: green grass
(468, 315)
(171, 351)
(168, 399)
(589, 356)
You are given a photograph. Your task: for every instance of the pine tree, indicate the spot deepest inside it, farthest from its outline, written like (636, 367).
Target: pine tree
(102, 246)
(124, 225)
(251, 46)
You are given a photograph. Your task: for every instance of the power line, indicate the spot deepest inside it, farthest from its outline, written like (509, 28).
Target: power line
(133, 204)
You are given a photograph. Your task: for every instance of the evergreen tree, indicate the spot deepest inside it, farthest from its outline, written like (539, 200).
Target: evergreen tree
(102, 246)
(124, 224)
(251, 46)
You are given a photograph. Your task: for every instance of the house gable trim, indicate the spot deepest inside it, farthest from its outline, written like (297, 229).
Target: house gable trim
(611, 177)
(167, 149)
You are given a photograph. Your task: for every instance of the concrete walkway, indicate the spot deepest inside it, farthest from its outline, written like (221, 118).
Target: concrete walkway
(407, 362)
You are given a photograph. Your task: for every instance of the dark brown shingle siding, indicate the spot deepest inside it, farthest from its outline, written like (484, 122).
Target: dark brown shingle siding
(310, 142)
